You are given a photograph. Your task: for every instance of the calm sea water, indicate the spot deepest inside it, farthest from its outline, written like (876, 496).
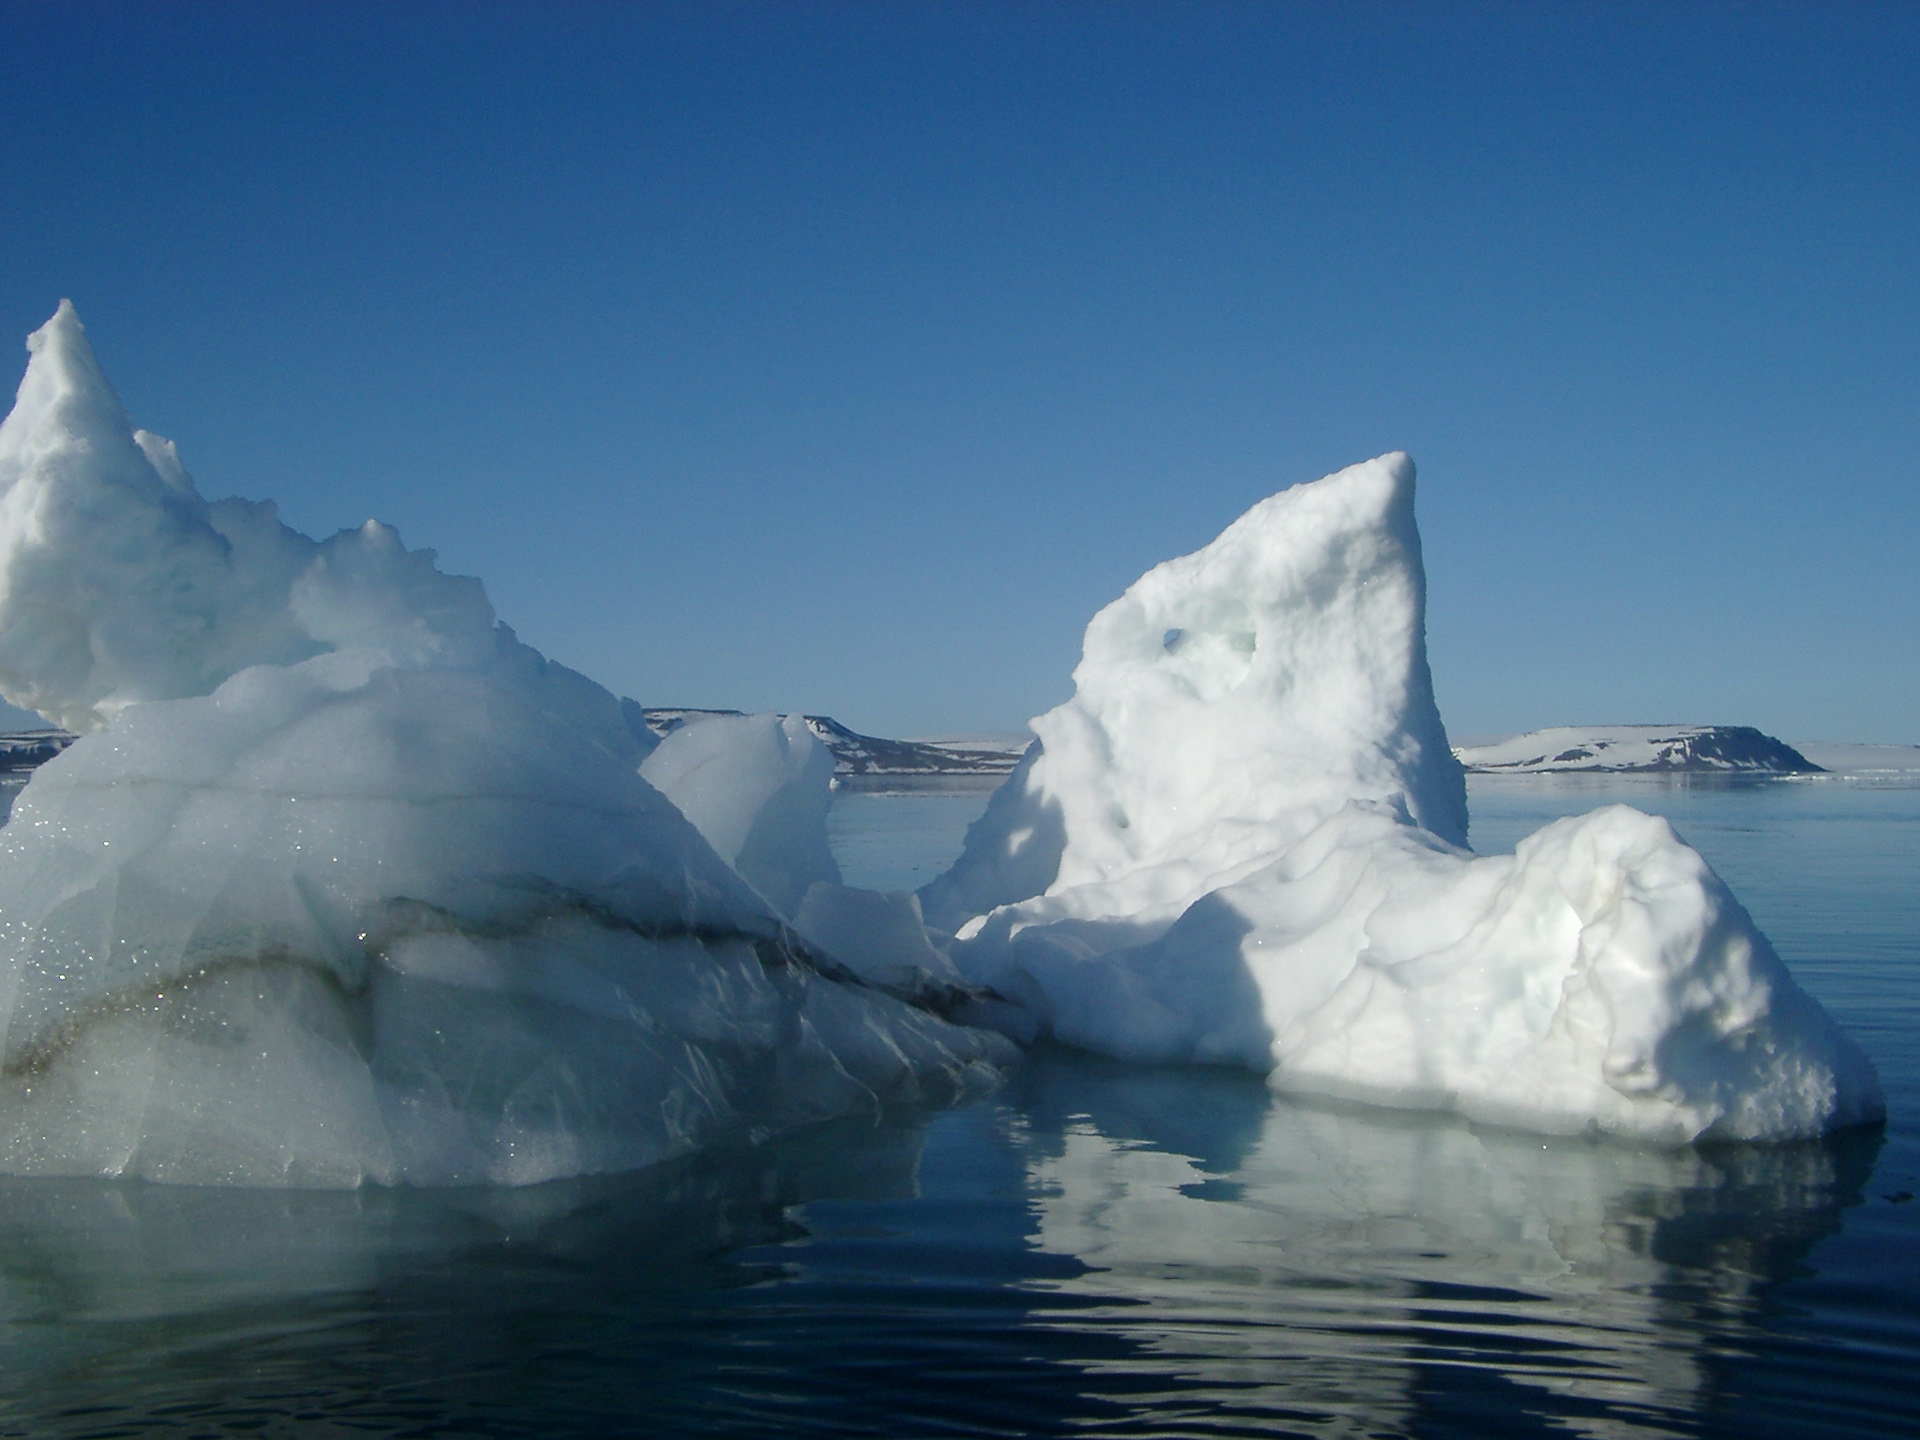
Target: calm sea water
(1094, 1250)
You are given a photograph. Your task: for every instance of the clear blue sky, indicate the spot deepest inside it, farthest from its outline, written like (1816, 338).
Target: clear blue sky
(846, 358)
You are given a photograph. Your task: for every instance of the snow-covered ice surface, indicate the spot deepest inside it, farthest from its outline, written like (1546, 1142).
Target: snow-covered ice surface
(1243, 843)
(342, 883)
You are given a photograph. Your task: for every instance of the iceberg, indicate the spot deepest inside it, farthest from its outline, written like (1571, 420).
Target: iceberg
(1243, 841)
(343, 883)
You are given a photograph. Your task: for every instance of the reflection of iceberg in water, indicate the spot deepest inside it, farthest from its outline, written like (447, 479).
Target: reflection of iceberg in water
(133, 1304)
(1100, 1249)
(129, 1251)
(1360, 1269)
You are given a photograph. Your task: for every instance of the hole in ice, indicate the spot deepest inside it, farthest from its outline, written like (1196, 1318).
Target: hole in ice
(1211, 652)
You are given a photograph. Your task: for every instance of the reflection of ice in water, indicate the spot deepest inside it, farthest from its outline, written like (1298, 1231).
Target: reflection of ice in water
(1352, 1259)
(121, 1303)
(1099, 1248)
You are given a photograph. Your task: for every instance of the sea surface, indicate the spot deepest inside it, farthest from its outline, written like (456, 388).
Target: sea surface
(1093, 1250)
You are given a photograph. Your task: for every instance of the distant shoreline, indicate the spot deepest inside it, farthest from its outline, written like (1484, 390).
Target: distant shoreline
(980, 761)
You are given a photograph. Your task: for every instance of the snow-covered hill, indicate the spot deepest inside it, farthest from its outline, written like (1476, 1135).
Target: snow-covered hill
(1638, 748)
(1566, 748)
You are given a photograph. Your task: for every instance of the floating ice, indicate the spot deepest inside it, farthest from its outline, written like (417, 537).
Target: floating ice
(1242, 842)
(346, 883)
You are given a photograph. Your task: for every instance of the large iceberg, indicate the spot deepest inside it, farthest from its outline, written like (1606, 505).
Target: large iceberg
(1243, 841)
(344, 883)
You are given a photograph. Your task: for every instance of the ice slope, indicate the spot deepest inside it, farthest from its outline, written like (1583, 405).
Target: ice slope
(1243, 842)
(758, 787)
(346, 884)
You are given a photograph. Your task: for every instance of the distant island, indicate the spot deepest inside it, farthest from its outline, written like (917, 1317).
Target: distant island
(854, 754)
(1637, 749)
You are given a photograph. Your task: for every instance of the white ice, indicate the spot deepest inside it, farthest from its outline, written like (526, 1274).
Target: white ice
(1242, 842)
(1225, 705)
(344, 882)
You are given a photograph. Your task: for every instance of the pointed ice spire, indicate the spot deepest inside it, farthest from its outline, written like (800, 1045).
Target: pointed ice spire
(120, 584)
(1227, 703)
(115, 586)
(66, 408)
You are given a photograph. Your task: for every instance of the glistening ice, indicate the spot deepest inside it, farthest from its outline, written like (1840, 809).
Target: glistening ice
(343, 883)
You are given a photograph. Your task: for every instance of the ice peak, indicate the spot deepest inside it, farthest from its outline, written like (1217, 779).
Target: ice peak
(63, 328)
(63, 395)
(1233, 699)
(120, 584)
(63, 362)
